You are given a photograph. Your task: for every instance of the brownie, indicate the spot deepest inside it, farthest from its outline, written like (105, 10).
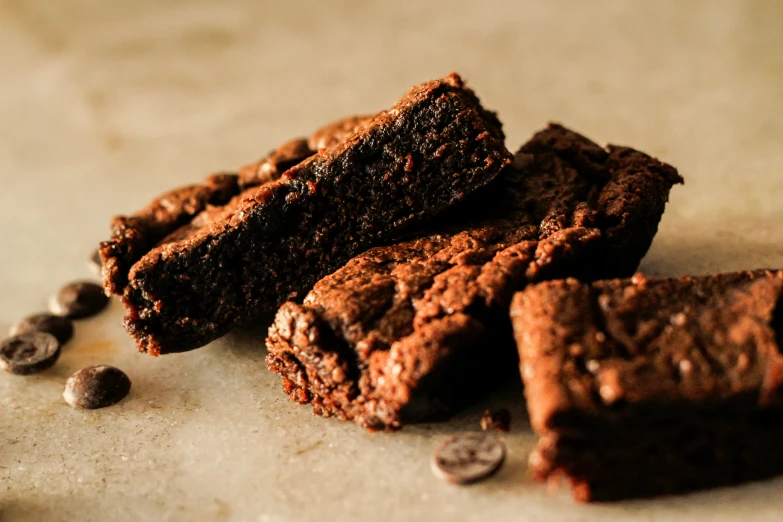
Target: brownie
(134, 236)
(641, 387)
(411, 331)
(272, 242)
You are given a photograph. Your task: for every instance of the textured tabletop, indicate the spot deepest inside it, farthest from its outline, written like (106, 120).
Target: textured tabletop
(105, 104)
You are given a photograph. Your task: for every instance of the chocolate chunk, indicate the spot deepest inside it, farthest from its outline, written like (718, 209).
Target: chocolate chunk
(414, 330)
(499, 420)
(79, 300)
(95, 262)
(96, 387)
(29, 353)
(643, 387)
(58, 326)
(231, 263)
(468, 457)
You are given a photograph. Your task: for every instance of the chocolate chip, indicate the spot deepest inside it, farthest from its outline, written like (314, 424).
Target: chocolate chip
(95, 262)
(29, 353)
(79, 300)
(96, 387)
(60, 327)
(468, 457)
(499, 420)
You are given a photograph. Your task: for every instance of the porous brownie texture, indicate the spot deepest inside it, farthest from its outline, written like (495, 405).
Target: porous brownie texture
(270, 243)
(411, 331)
(642, 387)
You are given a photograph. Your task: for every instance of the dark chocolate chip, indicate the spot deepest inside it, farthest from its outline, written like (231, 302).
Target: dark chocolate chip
(60, 327)
(96, 387)
(468, 457)
(29, 353)
(499, 420)
(79, 300)
(95, 262)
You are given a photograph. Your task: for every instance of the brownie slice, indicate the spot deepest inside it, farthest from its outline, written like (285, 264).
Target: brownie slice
(411, 331)
(133, 236)
(642, 387)
(270, 243)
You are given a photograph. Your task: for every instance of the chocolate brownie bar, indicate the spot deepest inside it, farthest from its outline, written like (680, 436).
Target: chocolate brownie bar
(642, 387)
(270, 243)
(134, 236)
(410, 331)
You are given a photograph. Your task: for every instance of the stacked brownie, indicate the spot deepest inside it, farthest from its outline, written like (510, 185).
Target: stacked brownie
(410, 331)
(393, 247)
(203, 259)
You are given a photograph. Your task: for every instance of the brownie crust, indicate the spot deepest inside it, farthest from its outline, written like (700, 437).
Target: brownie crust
(644, 387)
(411, 331)
(272, 242)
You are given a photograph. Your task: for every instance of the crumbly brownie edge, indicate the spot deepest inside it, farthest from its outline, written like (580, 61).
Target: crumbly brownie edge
(318, 368)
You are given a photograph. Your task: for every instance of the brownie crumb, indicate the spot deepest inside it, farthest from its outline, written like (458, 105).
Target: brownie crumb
(499, 420)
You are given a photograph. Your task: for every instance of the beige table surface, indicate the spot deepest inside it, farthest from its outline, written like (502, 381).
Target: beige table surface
(104, 104)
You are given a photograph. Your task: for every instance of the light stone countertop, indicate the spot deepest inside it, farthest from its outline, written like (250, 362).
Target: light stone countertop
(105, 104)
